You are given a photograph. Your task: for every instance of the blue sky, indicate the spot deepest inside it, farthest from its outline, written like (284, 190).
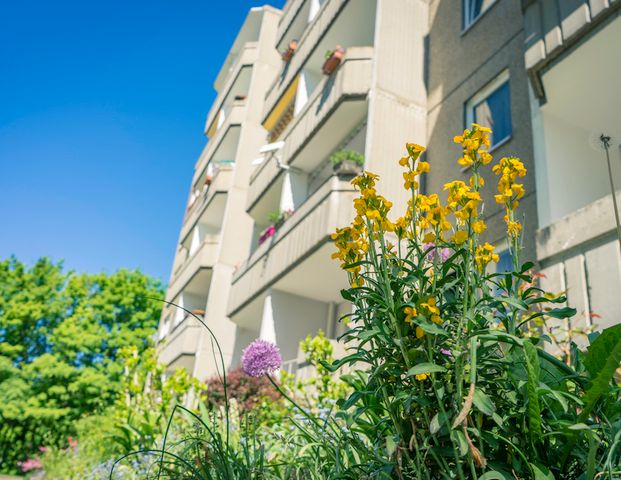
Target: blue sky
(102, 108)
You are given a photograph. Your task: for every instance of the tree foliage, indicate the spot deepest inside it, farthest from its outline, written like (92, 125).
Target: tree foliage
(60, 338)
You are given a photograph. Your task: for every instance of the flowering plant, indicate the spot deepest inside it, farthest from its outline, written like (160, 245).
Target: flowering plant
(449, 383)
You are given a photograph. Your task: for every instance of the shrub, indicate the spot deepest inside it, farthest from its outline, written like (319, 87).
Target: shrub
(249, 392)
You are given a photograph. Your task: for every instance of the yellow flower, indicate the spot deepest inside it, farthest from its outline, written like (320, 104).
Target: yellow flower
(404, 162)
(483, 255)
(410, 313)
(373, 215)
(481, 128)
(410, 180)
(429, 237)
(513, 228)
(479, 226)
(436, 319)
(465, 161)
(420, 333)
(460, 237)
(422, 167)
(414, 150)
(485, 157)
(421, 376)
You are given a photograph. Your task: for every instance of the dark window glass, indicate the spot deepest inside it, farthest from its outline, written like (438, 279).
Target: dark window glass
(495, 112)
(474, 8)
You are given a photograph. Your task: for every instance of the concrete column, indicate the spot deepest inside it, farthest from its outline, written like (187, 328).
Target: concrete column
(268, 330)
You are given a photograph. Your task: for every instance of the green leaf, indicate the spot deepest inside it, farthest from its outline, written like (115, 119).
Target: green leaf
(483, 402)
(602, 360)
(541, 472)
(429, 327)
(514, 302)
(564, 312)
(534, 409)
(492, 475)
(425, 368)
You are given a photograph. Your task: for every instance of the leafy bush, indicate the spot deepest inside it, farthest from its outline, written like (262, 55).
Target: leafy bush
(60, 338)
(250, 393)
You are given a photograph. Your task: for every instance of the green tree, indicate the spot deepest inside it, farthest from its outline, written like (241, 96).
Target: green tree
(61, 335)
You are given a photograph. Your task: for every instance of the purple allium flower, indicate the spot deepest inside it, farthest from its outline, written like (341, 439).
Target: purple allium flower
(260, 358)
(431, 250)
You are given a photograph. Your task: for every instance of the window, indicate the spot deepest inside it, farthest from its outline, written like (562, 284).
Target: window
(504, 265)
(505, 261)
(473, 9)
(491, 107)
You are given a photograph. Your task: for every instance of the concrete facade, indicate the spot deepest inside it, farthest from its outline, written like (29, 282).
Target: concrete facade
(412, 71)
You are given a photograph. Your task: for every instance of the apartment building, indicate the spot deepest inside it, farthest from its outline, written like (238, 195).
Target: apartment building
(254, 253)
(216, 232)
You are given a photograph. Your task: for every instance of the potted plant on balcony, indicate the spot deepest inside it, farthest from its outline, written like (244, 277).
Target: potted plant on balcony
(347, 163)
(267, 233)
(333, 59)
(288, 53)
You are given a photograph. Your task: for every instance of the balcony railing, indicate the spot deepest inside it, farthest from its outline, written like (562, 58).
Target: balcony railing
(247, 57)
(306, 46)
(221, 183)
(352, 80)
(181, 341)
(235, 117)
(306, 230)
(552, 27)
(205, 256)
(579, 255)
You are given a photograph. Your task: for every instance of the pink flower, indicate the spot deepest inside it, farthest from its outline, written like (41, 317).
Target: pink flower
(30, 464)
(431, 250)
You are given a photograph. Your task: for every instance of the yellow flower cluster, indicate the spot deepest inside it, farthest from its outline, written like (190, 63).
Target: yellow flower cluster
(426, 308)
(509, 170)
(484, 254)
(351, 248)
(474, 141)
(432, 213)
(370, 205)
(414, 167)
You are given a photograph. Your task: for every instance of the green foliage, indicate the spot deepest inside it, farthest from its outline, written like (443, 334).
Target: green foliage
(339, 157)
(60, 338)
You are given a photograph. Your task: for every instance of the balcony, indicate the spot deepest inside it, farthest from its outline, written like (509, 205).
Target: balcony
(350, 24)
(193, 272)
(579, 255)
(550, 28)
(180, 345)
(293, 258)
(336, 106)
(238, 81)
(225, 137)
(208, 207)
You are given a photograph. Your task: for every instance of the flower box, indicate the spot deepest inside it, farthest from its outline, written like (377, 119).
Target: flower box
(333, 60)
(287, 55)
(347, 163)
